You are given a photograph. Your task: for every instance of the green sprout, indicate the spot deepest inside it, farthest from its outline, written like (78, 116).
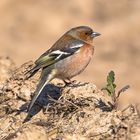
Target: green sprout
(111, 88)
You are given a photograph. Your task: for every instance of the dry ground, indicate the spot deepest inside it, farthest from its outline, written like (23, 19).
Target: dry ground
(30, 27)
(74, 112)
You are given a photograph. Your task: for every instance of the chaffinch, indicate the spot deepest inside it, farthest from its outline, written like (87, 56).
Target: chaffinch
(68, 57)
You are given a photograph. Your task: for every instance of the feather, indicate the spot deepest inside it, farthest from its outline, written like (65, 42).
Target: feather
(46, 76)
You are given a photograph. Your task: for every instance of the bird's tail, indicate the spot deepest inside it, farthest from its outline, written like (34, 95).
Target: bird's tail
(46, 76)
(31, 72)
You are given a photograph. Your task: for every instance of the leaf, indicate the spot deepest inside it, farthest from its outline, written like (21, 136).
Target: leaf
(114, 85)
(122, 90)
(111, 77)
(105, 88)
(110, 87)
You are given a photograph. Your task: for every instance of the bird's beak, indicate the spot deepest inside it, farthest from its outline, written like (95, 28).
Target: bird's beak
(95, 34)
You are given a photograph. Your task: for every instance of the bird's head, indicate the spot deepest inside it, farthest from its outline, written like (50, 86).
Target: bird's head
(84, 33)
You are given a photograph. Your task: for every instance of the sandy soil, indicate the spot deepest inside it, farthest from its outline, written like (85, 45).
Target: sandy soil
(28, 28)
(79, 111)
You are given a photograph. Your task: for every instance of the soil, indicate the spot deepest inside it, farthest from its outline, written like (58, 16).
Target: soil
(29, 28)
(74, 112)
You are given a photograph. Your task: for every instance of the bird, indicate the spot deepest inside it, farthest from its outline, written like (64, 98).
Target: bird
(68, 57)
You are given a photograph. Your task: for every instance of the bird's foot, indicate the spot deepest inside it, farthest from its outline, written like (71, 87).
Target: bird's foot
(70, 83)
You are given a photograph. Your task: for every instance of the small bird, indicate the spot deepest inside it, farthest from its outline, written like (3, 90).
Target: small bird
(68, 57)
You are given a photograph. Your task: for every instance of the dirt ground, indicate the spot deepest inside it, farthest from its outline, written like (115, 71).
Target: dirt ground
(28, 28)
(75, 112)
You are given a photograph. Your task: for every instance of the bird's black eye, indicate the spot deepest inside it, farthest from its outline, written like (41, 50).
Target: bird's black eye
(86, 33)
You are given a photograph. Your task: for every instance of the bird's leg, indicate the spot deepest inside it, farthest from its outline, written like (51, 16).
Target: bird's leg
(69, 82)
(74, 83)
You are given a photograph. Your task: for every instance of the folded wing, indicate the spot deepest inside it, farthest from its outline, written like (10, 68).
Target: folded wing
(54, 55)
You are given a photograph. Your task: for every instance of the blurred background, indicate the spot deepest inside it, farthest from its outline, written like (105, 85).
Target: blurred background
(30, 27)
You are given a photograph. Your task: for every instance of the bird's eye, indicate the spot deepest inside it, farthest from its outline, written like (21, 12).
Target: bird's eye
(86, 33)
